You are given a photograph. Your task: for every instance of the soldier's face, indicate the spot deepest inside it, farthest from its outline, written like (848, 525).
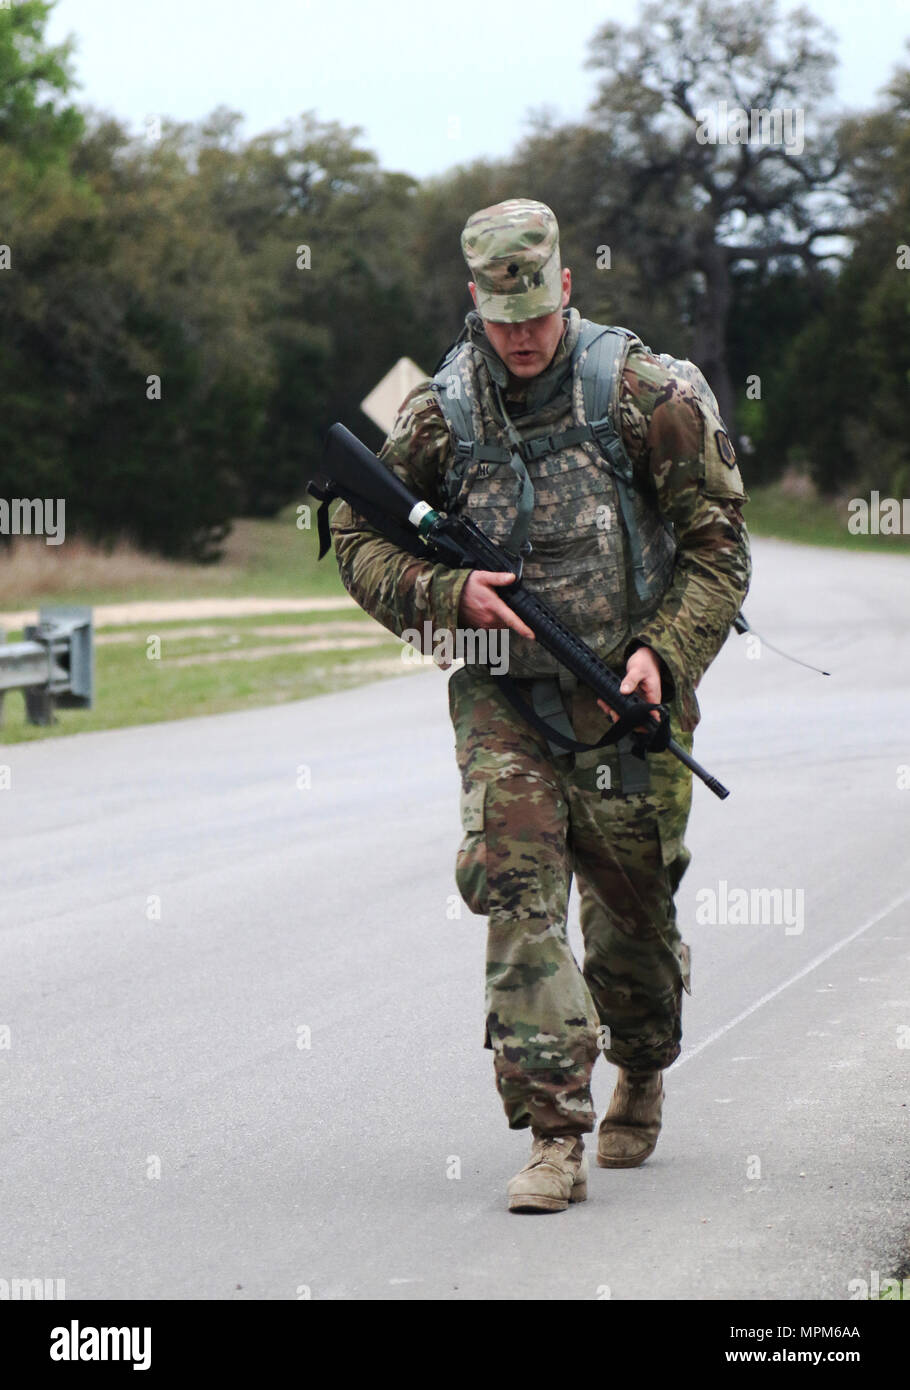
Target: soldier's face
(527, 348)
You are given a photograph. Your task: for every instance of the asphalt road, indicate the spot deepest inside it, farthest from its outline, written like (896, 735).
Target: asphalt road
(244, 1053)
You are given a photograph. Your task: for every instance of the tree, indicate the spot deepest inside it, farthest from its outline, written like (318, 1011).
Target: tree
(771, 307)
(34, 122)
(266, 283)
(852, 421)
(581, 172)
(684, 187)
(325, 236)
(115, 279)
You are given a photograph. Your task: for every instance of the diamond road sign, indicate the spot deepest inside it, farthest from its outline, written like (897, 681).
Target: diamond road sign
(381, 405)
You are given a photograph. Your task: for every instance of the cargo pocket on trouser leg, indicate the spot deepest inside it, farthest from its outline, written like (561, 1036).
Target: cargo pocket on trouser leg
(471, 859)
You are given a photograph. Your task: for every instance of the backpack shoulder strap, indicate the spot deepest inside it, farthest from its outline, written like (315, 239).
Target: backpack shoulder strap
(452, 398)
(606, 350)
(457, 409)
(600, 371)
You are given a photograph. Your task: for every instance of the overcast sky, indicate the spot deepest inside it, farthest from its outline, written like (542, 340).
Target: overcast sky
(431, 84)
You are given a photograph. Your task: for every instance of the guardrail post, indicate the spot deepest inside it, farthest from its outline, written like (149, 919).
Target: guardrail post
(54, 665)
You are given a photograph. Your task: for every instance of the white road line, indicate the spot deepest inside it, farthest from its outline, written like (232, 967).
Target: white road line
(800, 975)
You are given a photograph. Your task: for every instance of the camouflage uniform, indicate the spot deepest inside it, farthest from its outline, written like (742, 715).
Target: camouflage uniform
(532, 817)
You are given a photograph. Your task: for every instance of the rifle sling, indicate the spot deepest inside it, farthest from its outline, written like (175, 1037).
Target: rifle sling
(624, 725)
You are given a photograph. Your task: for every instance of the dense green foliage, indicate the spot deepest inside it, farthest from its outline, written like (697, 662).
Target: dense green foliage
(852, 426)
(268, 282)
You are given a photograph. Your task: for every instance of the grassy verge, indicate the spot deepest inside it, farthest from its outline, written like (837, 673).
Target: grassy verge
(218, 666)
(207, 667)
(262, 559)
(811, 521)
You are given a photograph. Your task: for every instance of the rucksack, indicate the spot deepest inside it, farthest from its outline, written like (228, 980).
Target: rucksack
(601, 373)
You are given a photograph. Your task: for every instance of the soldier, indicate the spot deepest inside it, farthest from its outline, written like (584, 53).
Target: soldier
(644, 554)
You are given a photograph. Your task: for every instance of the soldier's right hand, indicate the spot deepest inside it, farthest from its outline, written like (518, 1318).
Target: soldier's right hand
(481, 606)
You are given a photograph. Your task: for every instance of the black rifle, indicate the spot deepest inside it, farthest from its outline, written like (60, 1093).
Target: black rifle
(352, 472)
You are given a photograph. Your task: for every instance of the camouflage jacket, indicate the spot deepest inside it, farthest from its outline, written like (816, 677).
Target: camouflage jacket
(677, 455)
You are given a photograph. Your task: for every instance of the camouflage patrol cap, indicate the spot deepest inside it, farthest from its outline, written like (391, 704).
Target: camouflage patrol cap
(512, 251)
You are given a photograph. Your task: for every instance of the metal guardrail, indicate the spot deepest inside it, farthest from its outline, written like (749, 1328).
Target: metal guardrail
(53, 666)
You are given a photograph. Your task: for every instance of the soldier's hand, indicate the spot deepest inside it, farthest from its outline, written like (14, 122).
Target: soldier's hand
(642, 676)
(481, 606)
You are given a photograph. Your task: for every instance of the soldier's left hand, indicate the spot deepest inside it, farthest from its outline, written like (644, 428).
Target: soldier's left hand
(642, 676)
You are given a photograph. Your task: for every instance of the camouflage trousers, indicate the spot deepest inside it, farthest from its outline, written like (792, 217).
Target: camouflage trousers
(532, 819)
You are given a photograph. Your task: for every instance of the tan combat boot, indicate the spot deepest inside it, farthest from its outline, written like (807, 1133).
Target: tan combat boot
(555, 1175)
(628, 1132)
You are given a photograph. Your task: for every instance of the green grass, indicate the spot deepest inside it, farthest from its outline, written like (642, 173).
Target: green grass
(271, 559)
(132, 689)
(811, 521)
(265, 559)
(262, 559)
